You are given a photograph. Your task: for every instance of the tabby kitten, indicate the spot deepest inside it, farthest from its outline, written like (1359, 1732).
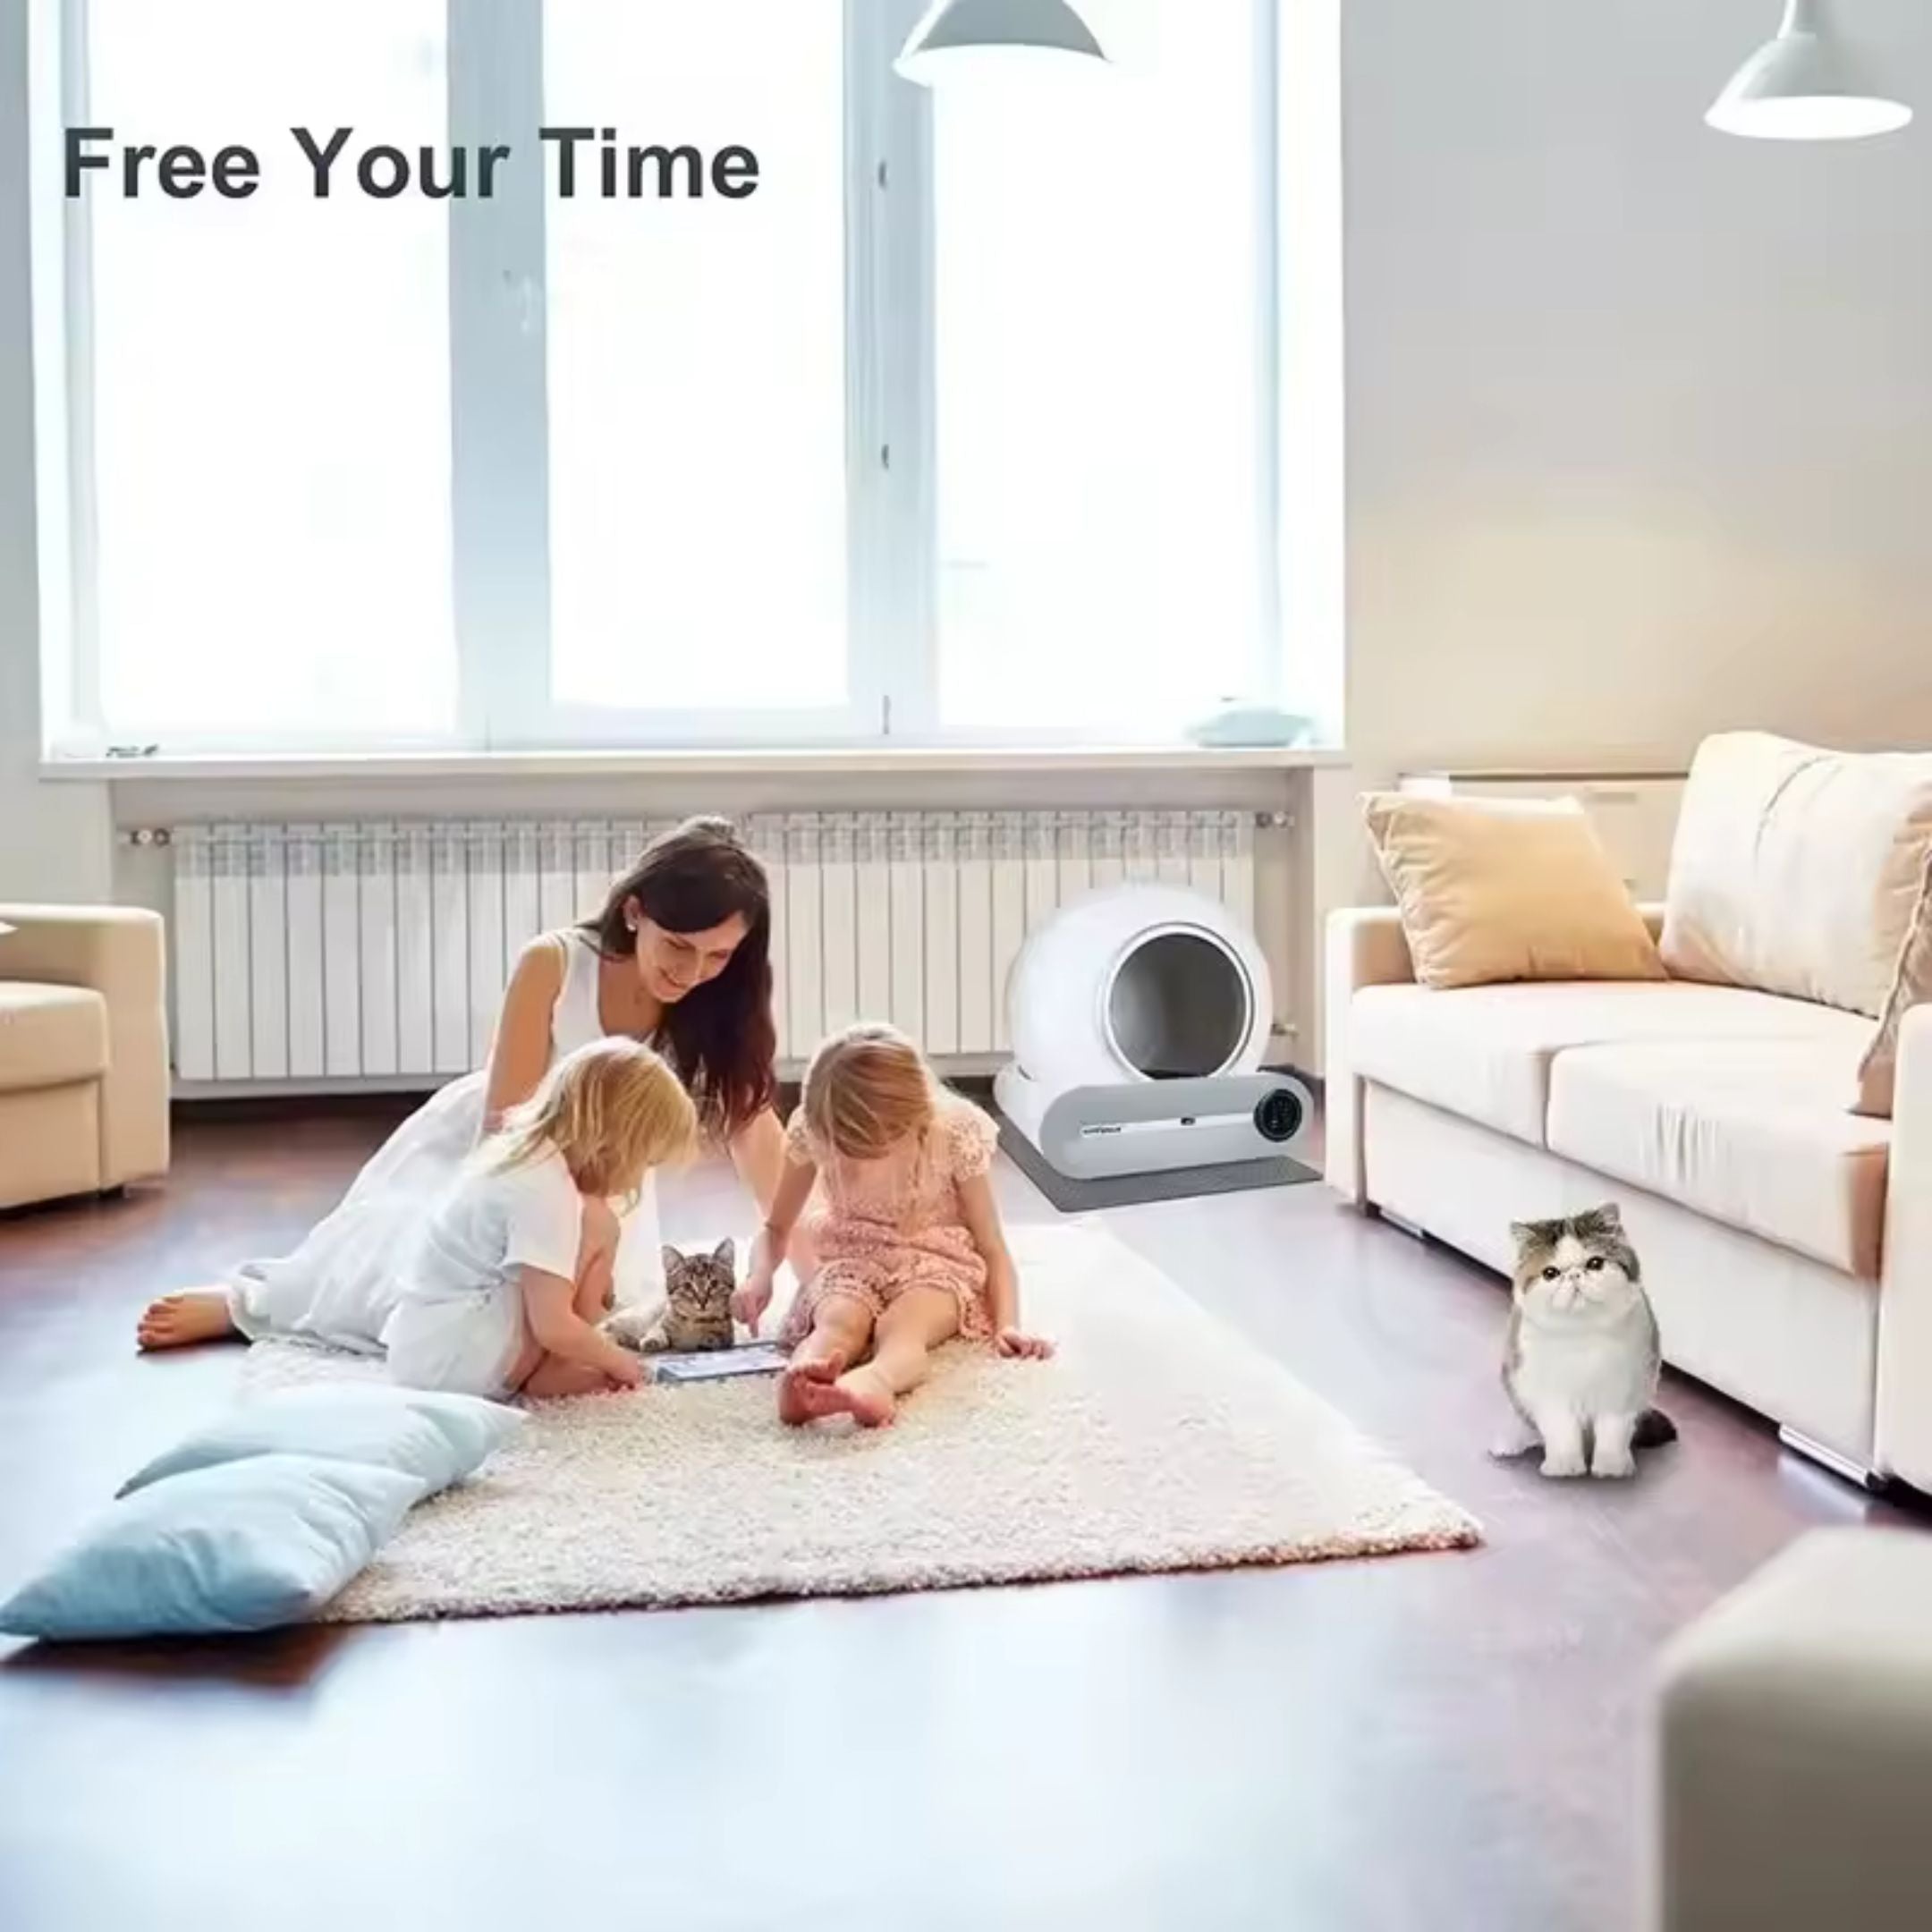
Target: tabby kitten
(696, 1306)
(1580, 1368)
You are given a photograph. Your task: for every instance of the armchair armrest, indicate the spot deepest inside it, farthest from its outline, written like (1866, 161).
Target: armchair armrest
(1903, 1434)
(120, 952)
(1365, 947)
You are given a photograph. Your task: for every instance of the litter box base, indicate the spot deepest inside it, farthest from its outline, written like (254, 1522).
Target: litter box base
(1071, 1196)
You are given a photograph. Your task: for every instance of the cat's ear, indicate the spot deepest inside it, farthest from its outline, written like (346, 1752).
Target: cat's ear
(725, 1254)
(673, 1260)
(1609, 1217)
(1526, 1234)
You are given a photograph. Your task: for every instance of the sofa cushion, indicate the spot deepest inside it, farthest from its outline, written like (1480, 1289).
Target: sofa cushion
(1797, 871)
(1752, 1132)
(50, 1036)
(1484, 1052)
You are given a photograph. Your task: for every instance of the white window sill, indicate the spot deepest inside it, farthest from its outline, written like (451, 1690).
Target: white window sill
(356, 768)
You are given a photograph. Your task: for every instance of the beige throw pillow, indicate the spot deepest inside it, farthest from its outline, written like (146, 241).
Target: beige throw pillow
(1492, 890)
(1797, 871)
(1911, 984)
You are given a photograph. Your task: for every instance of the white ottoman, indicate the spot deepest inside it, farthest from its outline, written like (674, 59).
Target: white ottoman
(1797, 1745)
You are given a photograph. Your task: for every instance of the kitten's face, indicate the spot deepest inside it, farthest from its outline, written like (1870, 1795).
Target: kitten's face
(698, 1287)
(1579, 1267)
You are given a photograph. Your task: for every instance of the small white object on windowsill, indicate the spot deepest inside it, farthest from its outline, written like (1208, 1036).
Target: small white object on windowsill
(1236, 724)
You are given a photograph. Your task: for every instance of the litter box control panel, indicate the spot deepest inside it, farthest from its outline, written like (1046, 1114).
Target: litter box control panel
(1278, 1114)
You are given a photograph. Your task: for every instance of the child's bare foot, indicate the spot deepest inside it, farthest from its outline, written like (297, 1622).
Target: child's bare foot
(180, 1320)
(805, 1392)
(866, 1396)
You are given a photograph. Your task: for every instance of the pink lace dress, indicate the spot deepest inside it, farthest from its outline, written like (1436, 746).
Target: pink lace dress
(893, 1224)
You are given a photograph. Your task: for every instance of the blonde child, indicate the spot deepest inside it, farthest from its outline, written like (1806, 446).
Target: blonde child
(908, 1251)
(505, 1288)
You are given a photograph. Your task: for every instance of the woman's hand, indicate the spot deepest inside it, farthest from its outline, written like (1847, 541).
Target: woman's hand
(1012, 1342)
(751, 1298)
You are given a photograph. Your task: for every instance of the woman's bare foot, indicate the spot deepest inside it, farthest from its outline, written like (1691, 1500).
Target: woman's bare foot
(180, 1320)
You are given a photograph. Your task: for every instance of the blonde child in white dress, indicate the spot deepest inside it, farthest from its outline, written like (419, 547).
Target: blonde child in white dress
(510, 1276)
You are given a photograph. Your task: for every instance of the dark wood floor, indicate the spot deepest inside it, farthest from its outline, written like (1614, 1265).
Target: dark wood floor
(1447, 1742)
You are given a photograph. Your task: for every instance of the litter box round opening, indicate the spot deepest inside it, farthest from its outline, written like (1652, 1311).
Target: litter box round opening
(1179, 1005)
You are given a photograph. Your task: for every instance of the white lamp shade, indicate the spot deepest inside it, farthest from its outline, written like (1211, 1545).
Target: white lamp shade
(1805, 85)
(962, 37)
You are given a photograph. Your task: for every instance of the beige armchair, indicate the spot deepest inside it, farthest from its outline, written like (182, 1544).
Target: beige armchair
(83, 1050)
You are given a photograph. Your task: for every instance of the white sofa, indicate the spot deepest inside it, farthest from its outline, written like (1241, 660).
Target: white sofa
(1786, 1242)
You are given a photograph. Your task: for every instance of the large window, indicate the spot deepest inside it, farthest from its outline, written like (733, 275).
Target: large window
(1104, 417)
(262, 442)
(962, 426)
(697, 372)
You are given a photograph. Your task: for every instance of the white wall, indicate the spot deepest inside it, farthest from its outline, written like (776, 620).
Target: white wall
(55, 841)
(1639, 415)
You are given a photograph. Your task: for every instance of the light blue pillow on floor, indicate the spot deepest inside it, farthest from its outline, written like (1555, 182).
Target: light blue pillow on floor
(438, 1439)
(244, 1545)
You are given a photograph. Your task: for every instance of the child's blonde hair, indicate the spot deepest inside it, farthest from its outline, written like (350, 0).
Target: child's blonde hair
(613, 1109)
(866, 1091)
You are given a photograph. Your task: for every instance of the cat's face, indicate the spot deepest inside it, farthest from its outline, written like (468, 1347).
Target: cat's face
(700, 1286)
(1579, 1265)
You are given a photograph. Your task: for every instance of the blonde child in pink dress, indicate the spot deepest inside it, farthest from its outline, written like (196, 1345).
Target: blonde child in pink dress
(907, 1251)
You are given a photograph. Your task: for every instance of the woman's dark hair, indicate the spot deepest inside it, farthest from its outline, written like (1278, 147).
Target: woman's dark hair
(719, 1036)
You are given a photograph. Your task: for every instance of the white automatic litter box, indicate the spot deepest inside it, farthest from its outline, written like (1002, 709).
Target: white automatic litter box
(1139, 1017)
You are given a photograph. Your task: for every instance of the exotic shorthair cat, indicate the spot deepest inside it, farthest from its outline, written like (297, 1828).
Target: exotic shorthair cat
(696, 1313)
(1582, 1363)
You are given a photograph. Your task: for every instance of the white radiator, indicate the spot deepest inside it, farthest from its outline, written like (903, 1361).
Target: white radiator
(379, 950)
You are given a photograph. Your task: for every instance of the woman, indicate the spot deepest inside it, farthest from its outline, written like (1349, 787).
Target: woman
(679, 957)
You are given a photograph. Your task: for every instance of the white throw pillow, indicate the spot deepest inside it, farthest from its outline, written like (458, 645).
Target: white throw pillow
(437, 1438)
(244, 1545)
(1797, 871)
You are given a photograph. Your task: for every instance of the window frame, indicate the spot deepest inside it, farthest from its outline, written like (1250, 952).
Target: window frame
(499, 476)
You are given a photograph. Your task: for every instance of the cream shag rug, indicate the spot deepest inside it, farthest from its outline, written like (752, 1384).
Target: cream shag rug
(1157, 1439)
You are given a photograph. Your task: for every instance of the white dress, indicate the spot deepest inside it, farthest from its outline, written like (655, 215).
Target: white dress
(341, 1285)
(459, 1321)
